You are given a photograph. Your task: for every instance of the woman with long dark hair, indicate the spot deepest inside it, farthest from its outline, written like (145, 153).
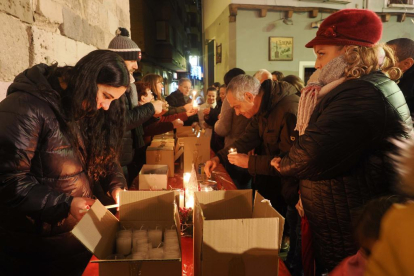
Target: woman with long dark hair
(60, 133)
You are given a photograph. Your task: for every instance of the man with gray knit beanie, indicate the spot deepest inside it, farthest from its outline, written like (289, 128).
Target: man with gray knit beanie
(135, 115)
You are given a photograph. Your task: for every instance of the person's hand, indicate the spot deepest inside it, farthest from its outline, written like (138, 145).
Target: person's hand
(177, 123)
(239, 159)
(115, 194)
(188, 106)
(218, 117)
(276, 163)
(191, 112)
(79, 205)
(158, 106)
(206, 111)
(299, 207)
(211, 165)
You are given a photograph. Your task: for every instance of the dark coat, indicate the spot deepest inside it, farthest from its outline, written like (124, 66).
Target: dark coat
(272, 130)
(343, 159)
(40, 172)
(406, 84)
(134, 118)
(176, 99)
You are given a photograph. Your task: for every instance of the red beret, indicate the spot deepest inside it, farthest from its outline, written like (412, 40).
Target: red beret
(349, 27)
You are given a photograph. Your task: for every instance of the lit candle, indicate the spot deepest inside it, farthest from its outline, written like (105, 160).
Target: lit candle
(189, 199)
(181, 199)
(186, 180)
(232, 151)
(155, 236)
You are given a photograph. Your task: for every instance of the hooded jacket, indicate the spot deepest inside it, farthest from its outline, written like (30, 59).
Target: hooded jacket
(343, 159)
(40, 172)
(272, 131)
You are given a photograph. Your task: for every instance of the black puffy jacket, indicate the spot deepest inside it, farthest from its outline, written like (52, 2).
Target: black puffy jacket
(39, 171)
(176, 99)
(343, 159)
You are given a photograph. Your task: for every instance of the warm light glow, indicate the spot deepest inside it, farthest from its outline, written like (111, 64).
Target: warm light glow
(206, 189)
(189, 199)
(186, 180)
(232, 151)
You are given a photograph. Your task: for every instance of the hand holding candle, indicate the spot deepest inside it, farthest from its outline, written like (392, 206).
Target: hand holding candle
(232, 151)
(78, 205)
(239, 159)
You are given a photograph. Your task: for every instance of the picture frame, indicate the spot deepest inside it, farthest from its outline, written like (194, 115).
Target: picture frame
(280, 48)
(218, 53)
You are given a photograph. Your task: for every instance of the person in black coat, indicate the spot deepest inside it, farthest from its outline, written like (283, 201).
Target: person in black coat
(348, 114)
(404, 51)
(180, 97)
(60, 133)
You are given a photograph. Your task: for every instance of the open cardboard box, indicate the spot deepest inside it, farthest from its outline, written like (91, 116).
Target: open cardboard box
(234, 237)
(196, 150)
(97, 231)
(161, 155)
(185, 131)
(153, 177)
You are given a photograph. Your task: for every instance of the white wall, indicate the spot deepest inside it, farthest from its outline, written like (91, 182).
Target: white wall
(253, 34)
(213, 9)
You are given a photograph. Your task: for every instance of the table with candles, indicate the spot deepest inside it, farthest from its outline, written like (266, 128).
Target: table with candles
(224, 182)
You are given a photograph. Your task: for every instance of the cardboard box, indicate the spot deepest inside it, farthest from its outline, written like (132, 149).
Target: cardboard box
(196, 150)
(167, 135)
(162, 143)
(97, 231)
(161, 156)
(234, 237)
(153, 177)
(184, 131)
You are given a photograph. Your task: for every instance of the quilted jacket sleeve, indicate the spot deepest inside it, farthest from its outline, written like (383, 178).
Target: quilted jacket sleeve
(347, 124)
(138, 115)
(21, 126)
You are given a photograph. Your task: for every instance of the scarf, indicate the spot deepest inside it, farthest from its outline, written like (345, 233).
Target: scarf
(320, 83)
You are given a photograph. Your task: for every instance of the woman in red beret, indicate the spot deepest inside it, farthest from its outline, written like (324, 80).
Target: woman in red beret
(348, 113)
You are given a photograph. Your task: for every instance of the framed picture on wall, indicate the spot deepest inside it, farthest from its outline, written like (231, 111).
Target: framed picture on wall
(280, 48)
(218, 53)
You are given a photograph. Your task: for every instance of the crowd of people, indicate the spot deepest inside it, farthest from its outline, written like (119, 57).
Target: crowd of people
(327, 155)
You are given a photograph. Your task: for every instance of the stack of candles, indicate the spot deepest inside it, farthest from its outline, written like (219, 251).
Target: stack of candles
(148, 244)
(124, 242)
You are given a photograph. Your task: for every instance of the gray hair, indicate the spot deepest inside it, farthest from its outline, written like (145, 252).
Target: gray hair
(262, 72)
(243, 83)
(181, 81)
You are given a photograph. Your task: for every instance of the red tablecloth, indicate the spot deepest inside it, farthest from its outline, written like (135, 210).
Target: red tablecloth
(223, 182)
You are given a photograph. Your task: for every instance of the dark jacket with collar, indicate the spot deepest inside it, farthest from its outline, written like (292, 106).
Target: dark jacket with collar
(406, 84)
(176, 99)
(134, 134)
(343, 159)
(40, 172)
(272, 131)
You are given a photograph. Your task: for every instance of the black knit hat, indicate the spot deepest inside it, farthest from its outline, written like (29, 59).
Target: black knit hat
(124, 46)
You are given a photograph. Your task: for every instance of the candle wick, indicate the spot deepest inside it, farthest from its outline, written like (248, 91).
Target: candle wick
(159, 245)
(141, 227)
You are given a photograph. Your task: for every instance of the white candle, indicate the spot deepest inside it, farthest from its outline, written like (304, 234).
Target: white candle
(123, 245)
(232, 151)
(181, 199)
(186, 180)
(189, 199)
(172, 254)
(155, 236)
(139, 256)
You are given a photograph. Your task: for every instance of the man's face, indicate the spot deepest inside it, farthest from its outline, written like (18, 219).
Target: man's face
(211, 97)
(248, 107)
(185, 88)
(131, 65)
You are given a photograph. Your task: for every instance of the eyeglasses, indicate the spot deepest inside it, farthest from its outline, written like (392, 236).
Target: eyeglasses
(161, 82)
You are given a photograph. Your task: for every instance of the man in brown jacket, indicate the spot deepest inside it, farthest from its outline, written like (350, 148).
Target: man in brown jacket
(273, 108)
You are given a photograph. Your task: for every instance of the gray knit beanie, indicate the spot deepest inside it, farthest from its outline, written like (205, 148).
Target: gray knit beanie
(124, 46)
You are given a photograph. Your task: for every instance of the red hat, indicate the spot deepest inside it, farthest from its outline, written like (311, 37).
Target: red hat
(349, 27)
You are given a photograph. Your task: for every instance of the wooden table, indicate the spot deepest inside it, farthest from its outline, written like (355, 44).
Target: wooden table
(224, 182)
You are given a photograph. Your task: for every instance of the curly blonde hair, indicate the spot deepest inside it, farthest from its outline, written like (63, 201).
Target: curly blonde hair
(364, 60)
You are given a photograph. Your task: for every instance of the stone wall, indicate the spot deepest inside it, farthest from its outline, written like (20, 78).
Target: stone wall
(35, 31)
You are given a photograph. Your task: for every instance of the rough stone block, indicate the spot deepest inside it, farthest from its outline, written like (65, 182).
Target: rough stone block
(72, 25)
(113, 22)
(83, 49)
(14, 47)
(22, 9)
(51, 47)
(51, 10)
(92, 12)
